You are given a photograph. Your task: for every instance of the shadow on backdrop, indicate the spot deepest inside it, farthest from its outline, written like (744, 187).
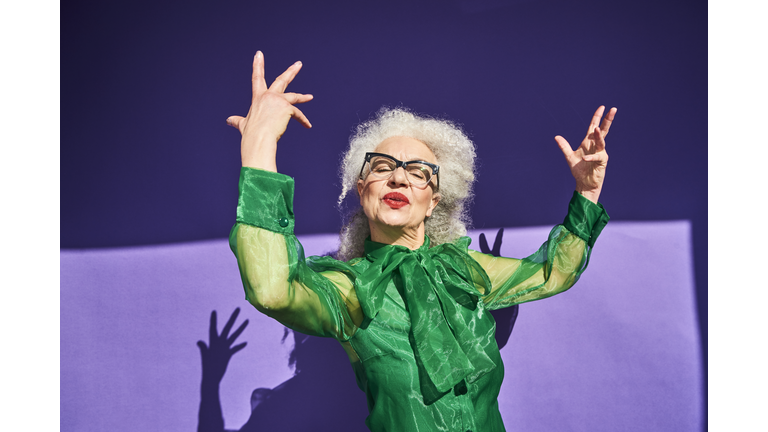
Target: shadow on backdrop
(321, 396)
(505, 318)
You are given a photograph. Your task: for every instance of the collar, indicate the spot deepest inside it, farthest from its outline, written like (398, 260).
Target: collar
(371, 247)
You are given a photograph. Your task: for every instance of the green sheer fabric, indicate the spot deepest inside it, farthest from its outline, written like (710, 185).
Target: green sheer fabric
(415, 324)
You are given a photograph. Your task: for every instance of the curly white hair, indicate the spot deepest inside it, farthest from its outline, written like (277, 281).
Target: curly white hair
(455, 155)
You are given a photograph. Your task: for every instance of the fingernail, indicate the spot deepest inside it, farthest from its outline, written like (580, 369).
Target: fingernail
(259, 54)
(298, 63)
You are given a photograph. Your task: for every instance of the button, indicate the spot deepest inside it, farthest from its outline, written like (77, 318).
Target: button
(283, 222)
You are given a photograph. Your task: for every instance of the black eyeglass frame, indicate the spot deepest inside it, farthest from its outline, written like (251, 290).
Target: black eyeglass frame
(399, 163)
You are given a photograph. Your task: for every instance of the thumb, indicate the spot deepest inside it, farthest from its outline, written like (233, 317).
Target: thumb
(235, 121)
(203, 347)
(565, 147)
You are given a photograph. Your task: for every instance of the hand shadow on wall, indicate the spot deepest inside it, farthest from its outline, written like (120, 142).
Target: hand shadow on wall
(321, 396)
(505, 318)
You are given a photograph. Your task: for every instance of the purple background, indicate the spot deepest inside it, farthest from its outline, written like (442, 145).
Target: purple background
(619, 351)
(146, 86)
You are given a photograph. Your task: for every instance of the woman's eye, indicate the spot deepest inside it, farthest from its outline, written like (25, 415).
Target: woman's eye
(382, 168)
(418, 174)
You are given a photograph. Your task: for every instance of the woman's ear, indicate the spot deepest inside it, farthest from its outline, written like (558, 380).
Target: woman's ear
(360, 186)
(435, 199)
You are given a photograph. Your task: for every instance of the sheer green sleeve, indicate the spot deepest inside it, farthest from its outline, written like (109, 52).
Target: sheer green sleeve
(555, 267)
(273, 269)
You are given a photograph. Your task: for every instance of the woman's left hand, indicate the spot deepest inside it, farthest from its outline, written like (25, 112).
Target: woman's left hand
(588, 162)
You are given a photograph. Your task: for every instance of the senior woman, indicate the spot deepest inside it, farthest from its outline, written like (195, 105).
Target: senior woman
(406, 298)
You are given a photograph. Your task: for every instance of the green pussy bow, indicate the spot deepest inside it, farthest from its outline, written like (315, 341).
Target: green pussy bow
(441, 287)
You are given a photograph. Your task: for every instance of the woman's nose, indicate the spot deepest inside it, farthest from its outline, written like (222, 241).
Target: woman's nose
(399, 176)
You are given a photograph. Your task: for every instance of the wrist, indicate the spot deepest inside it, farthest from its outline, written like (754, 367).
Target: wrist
(591, 194)
(259, 153)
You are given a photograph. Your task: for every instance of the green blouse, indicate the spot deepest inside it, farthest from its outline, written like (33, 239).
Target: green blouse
(415, 324)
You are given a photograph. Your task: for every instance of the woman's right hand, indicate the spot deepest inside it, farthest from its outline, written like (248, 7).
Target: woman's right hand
(267, 119)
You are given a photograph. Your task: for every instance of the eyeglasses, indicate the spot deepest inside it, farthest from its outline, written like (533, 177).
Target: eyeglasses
(382, 166)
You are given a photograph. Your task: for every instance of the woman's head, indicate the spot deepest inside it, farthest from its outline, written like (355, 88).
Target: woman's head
(397, 199)
(409, 137)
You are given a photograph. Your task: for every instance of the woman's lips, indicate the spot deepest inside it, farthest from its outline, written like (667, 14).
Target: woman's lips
(395, 200)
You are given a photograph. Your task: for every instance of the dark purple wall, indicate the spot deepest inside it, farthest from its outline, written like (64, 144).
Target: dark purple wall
(146, 86)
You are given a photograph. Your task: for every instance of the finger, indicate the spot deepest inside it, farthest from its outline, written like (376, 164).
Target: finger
(237, 332)
(296, 98)
(212, 335)
(596, 119)
(258, 84)
(565, 147)
(235, 121)
(599, 141)
(285, 78)
(606, 124)
(298, 115)
(601, 158)
(230, 322)
(203, 347)
(237, 348)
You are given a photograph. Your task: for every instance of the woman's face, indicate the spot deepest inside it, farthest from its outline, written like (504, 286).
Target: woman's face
(395, 208)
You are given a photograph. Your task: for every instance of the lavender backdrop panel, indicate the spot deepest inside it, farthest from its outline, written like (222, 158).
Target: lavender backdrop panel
(130, 320)
(618, 352)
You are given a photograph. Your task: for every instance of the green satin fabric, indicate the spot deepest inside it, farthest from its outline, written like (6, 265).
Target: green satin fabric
(585, 218)
(435, 283)
(425, 326)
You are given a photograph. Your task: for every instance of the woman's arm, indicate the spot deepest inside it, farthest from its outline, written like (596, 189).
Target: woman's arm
(279, 283)
(275, 275)
(557, 265)
(554, 268)
(276, 279)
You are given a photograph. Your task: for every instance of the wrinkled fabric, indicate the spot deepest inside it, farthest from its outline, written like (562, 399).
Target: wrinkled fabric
(585, 219)
(435, 284)
(415, 323)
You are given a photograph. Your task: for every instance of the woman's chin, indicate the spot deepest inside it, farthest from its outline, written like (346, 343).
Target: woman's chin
(394, 218)
(392, 225)
(397, 228)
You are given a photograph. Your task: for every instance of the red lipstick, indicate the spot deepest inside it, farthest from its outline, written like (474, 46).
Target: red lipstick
(395, 200)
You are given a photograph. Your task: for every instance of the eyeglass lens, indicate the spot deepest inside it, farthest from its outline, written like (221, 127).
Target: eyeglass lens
(383, 167)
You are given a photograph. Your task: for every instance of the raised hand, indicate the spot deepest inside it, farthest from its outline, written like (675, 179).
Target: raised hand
(267, 119)
(588, 162)
(219, 351)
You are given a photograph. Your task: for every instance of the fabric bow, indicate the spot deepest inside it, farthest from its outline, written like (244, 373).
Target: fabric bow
(435, 284)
